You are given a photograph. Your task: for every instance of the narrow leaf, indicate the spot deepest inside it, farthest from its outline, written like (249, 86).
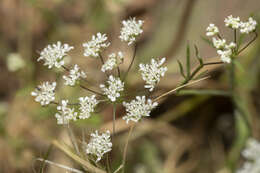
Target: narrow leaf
(188, 60)
(197, 55)
(181, 69)
(45, 158)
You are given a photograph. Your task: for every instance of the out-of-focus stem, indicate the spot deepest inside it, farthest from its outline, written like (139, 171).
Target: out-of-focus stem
(250, 42)
(126, 146)
(176, 89)
(131, 64)
(114, 119)
(83, 87)
(73, 139)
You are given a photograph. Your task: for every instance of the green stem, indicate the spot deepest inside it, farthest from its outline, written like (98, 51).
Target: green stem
(197, 70)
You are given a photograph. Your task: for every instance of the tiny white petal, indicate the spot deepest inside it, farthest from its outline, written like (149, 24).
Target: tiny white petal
(87, 106)
(45, 93)
(99, 144)
(96, 45)
(130, 30)
(74, 75)
(212, 30)
(232, 22)
(65, 113)
(151, 73)
(53, 55)
(115, 86)
(138, 108)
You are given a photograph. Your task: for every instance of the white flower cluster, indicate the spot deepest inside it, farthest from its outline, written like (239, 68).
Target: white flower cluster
(151, 73)
(232, 22)
(96, 45)
(65, 113)
(225, 52)
(87, 106)
(245, 27)
(130, 30)
(115, 86)
(212, 30)
(99, 144)
(249, 26)
(73, 76)
(252, 154)
(44, 93)
(219, 43)
(114, 60)
(53, 55)
(138, 108)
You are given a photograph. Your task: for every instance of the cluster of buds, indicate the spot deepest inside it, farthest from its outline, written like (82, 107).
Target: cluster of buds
(227, 50)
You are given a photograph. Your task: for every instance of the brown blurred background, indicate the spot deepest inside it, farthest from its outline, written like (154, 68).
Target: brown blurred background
(186, 134)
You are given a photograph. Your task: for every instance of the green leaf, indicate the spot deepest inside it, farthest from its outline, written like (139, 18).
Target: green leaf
(181, 69)
(188, 60)
(197, 55)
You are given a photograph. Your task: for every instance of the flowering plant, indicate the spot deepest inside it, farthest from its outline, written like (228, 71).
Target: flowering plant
(113, 91)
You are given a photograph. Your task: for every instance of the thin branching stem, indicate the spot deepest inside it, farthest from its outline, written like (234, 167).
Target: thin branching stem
(114, 119)
(219, 36)
(176, 89)
(88, 165)
(248, 44)
(131, 64)
(118, 71)
(93, 91)
(126, 146)
(60, 165)
(73, 139)
(71, 104)
(198, 69)
(103, 62)
(82, 86)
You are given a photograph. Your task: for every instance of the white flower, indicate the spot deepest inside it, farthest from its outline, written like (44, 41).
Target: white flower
(96, 45)
(212, 30)
(138, 108)
(130, 30)
(231, 45)
(113, 61)
(53, 55)
(250, 167)
(151, 73)
(225, 55)
(252, 150)
(73, 76)
(45, 93)
(252, 154)
(232, 22)
(65, 113)
(99, 144)
(87, 106)
(218, 43)
(249, 26)
(115, 86)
